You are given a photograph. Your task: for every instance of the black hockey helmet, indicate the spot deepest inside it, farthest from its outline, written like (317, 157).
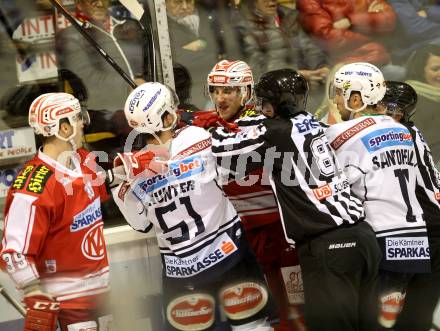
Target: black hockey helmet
(285, 89)
(400, 98)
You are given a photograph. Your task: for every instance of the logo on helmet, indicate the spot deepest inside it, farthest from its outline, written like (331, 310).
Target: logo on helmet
(134, 102)
(346, 85)
(363, 73)
(219, 79)
(64, 111)
(153, 99)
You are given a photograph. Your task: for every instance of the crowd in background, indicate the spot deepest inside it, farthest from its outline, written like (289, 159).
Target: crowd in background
(315, 37)
(402, 37)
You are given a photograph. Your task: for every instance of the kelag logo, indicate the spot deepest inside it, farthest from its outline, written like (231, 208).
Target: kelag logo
(386, 138)
(178, 170)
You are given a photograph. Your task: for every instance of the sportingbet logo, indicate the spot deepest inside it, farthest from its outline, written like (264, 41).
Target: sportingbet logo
(386, 138)
(178, 170)
(87, 217)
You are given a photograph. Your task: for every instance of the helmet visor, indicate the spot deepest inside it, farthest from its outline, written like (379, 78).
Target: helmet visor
(84, 117)
(214, 91)
(264, 106)
(393, 109)
(331, 91)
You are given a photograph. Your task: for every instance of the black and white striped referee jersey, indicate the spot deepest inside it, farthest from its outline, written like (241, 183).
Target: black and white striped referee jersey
(312, 192)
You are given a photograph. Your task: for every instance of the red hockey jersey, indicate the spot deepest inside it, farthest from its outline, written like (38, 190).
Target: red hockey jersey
(252, 196)
(53, 218)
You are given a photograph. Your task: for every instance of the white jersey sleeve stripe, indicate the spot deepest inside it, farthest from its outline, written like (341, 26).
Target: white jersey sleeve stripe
(29, 230)
(21, 219)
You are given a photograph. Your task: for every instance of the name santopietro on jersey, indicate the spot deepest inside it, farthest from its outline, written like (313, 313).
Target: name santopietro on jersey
(196, 226)
(312, 192)
(380, 161)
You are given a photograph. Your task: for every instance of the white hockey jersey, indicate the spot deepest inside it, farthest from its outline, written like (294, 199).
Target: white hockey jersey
(380, 161)
(197, 227)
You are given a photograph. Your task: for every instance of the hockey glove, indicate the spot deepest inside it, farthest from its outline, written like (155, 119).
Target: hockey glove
(205, 119)
(42, 311)
(146, 163)
(208, 120)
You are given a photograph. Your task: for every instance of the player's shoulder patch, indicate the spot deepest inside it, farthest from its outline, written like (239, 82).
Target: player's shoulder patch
(22, 177)
(38, 180)
(249, 111)
(350, 132)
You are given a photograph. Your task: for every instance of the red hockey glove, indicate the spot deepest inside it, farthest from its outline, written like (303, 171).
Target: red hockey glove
(210, 119)
(142, 162)
(42, 312)
(231, 127)
(206, 119)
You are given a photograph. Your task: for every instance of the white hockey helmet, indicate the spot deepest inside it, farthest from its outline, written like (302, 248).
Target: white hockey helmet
(361, 77)
(48, 109)
(232, 73)
(146, 105)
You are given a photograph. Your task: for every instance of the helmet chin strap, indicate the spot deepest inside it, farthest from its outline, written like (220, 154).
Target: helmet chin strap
(73, 144)
(166, 144)
(353, 111)
(70, 139)
(244, 93)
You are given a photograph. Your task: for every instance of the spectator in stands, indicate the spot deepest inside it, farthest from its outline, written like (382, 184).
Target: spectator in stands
(120, 39)
(423, 74)
(418, 25)
(273, 39)
(350, 31)
(194, 43)
(183, 84)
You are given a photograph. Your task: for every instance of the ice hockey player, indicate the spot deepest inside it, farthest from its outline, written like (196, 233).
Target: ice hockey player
(379, 159)
(53, 244)
(423, 290)
(206, 259)
(231, 86)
